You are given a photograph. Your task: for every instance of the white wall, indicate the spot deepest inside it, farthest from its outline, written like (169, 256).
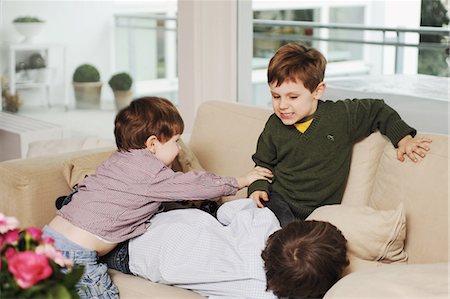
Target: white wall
(84, 27)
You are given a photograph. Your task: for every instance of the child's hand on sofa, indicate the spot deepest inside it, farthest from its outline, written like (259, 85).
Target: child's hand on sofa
(258, 195)
(412, 147)
(257, 173)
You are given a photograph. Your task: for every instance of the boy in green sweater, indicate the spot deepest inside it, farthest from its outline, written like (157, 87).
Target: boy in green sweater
(307, 143)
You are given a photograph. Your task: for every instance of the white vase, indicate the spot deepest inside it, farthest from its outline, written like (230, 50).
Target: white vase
(28, 30)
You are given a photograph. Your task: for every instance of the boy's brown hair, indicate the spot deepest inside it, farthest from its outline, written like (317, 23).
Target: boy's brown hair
(143, 118)
(295, 62)
(304, 259)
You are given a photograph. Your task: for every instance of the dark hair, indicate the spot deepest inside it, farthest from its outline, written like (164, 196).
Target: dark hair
(143, 118)
(297, 62)
(304, 259)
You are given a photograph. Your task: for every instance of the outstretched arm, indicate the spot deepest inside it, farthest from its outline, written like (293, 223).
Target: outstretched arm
(412, 147)
(257, 173)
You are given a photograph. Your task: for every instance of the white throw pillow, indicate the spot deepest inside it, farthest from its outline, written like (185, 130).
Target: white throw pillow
(375, 235)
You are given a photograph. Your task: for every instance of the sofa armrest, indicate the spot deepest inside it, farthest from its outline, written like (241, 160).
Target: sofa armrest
(29, 187)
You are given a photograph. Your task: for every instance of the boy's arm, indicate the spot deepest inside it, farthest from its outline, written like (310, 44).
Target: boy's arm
(265, 156)
(369, 115)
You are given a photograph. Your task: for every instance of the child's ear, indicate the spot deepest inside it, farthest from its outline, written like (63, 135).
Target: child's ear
(151, 143)
(320, 90)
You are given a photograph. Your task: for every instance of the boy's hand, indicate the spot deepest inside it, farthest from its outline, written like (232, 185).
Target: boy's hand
(411, 147)
(258, 173)
(257, 196)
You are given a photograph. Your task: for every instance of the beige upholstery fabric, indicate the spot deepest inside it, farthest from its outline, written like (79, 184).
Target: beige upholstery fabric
(223, 139)
(365, 159)
(371, 235)
(29, 187)
(357, 264)
(224, 130)
(423, 189)
(75, 170)
(425, 281)
(186, 160)
(134, 287)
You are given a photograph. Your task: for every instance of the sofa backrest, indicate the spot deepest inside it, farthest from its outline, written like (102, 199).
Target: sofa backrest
(224, 137)
(423, 187)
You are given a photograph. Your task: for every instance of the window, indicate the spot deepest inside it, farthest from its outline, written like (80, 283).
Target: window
(146, 48)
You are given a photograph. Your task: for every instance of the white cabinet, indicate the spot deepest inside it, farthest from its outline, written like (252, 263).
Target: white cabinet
(53, 76)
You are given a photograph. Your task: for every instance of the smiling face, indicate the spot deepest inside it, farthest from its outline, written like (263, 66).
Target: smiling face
(291, 101)
(166, 152)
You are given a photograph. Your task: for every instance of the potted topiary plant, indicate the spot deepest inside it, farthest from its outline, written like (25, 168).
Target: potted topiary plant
(37, 68)
(28, 27)
(121, 84)
(87, 87)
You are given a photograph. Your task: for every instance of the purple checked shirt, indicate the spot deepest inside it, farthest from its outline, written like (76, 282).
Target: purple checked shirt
(126, 190)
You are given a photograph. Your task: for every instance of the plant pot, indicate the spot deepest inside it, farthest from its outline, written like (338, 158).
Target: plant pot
(87, 94)
(28, 30)
(122, 98)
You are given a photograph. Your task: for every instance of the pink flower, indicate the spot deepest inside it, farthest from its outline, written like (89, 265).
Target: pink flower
(11, 237)
(7, 223)
(47, 240)
(29, 268)
(34, 232)
(10, 252)
(54, 255)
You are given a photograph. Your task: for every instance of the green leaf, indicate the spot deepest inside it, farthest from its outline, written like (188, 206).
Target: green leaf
(71, 278)
(59, 292)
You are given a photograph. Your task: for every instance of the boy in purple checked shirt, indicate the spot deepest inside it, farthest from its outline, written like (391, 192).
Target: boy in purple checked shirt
(117, 201)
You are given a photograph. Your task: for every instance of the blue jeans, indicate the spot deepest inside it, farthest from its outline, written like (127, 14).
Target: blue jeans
(280, 208)
(118, 258)
(95, 282)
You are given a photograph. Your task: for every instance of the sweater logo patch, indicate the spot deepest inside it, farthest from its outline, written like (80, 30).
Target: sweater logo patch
(330, 137)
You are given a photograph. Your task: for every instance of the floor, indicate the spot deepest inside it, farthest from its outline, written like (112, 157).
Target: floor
(77, 123)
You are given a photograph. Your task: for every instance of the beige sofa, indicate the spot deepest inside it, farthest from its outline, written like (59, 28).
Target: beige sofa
(223, 140)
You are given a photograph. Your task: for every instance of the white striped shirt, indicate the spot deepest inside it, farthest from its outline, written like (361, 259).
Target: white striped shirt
(189, 248)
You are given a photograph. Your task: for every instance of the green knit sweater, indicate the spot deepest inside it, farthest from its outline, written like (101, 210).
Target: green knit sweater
(311, 169)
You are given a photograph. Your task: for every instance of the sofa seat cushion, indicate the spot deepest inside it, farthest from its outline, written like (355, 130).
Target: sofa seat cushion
(131, 286)
(358, 264)
(394, 281)
(371, 234)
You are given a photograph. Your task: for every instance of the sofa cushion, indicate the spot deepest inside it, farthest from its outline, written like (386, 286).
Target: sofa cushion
(131, 286)
(371, 235)
(364, 164)
(423, 187)
(224, 137)
(394, 281)
(75, 170)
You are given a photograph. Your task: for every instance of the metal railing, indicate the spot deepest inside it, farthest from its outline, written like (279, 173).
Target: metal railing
(398, 42)
(394, 37)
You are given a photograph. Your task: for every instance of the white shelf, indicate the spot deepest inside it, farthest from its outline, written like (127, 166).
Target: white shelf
(20, 85)
(45, 49)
